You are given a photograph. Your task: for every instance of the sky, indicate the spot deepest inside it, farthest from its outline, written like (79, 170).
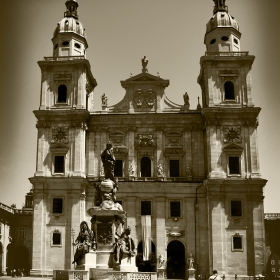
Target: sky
(170, 33)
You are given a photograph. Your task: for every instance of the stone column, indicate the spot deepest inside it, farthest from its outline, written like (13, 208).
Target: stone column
(132, 160)
(159, 152)
(160, 226)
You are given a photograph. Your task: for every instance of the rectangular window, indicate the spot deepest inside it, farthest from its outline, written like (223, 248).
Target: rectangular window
(236, 208)
(57, 205)
(59, 164)
(237, 243)
(272, 269)
(56, 238)
(174, 168)
(146, 207)
(118, 170)
(175, 209)
(21, 233)
(233, 165)
(272, 262)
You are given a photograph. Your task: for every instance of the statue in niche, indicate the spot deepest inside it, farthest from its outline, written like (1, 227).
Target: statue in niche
(108, 160)
(161, 261)
(104, 100)
(144, 62)
(131, 170)
(188, 171)
(123, 246)
(85, 241)
(186, 99)
(160, 170)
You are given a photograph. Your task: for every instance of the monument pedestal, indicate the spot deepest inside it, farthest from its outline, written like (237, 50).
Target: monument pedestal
(88, 262)
(127, 265)
(191, 274)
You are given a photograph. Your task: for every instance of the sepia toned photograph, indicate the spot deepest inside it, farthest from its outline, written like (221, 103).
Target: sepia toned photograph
(139, 139)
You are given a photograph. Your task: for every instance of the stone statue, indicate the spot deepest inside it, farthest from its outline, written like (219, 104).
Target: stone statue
(191, 261)
(131, 170)
(108, 161)
(124, 246)
(161, 261)
(188, 171)
(186, 99)
(144, 62)
(104, 99)
(160, 170)
(85, 241)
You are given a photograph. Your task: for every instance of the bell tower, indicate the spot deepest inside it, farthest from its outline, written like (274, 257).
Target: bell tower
(233, 175)
(60, 182)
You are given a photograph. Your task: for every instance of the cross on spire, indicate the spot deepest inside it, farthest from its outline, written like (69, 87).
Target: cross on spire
(220, 6)
(72, 7)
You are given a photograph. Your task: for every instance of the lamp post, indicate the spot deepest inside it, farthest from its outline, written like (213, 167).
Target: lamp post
(73, 243)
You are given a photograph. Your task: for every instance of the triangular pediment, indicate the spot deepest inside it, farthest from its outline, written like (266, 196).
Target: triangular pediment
(233, 146)
(144, 78)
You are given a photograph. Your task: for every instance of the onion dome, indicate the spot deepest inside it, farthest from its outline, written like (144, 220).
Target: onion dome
(221, 19)
(222, 30)
(70, 24)
(69, 38)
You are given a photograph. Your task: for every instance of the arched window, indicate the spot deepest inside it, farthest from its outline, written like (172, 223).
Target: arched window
(146, 167)
(62, 94)
(229, 91)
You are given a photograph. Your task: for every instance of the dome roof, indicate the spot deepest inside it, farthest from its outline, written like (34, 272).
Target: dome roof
(70, 24)
(221, 19)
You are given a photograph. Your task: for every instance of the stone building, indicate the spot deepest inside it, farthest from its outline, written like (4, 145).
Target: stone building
(194, 172)
(16, 237)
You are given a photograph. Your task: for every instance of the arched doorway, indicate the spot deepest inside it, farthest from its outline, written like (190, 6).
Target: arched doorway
(176, 260)
(146, 266)
(21, 259)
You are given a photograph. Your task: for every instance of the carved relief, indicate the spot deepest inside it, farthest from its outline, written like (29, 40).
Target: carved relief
(228, 75)
(62, 78)
(117, 138)
(173, 139)
(232, 134)
(144, 98)
(175, 233)
(144, 140)
(59, 135)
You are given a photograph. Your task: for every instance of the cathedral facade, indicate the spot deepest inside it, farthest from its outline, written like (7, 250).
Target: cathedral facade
(194, 172)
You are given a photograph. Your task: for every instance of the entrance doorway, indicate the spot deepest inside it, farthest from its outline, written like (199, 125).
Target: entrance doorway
(176, 264)
(21, 259)
(146, 266)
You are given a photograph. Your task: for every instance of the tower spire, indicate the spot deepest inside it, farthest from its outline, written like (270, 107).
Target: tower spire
(220, 6)
(71, 11)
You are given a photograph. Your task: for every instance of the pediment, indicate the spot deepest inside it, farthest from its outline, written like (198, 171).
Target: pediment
(59, 148)
(145, 78)
(233, 146)
(233, 149)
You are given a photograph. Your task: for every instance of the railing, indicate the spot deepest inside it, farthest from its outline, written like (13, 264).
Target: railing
(7, 208)
(226, 53)
(272, 216)
(63, 58)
